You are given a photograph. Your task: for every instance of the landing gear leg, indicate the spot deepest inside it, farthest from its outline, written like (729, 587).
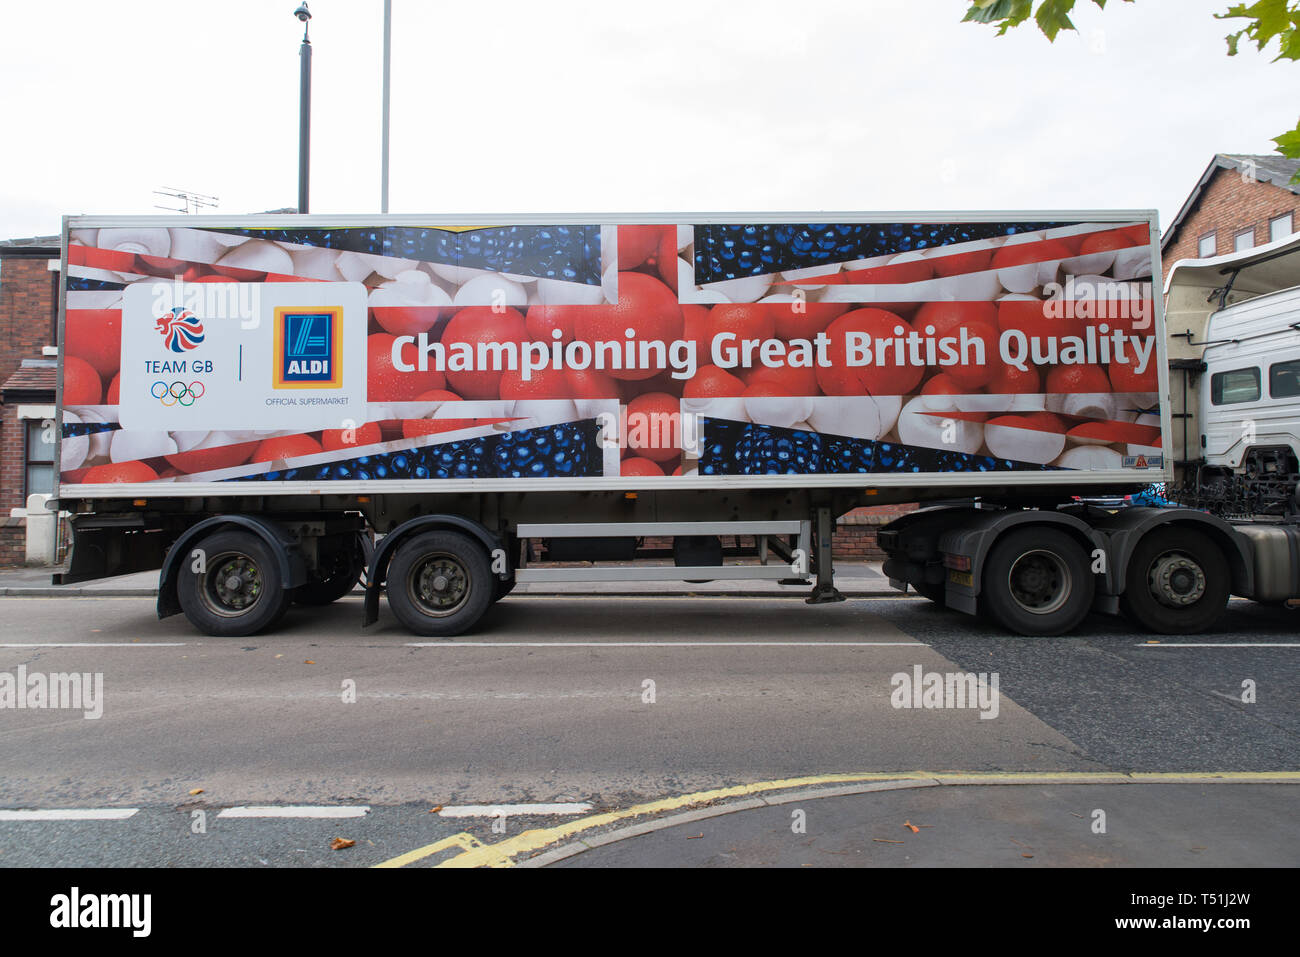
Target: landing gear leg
(824, 589)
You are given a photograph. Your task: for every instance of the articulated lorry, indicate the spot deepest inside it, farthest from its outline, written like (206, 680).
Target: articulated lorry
(271, 409)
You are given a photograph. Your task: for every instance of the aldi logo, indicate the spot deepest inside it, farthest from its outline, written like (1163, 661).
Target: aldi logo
(308, 348)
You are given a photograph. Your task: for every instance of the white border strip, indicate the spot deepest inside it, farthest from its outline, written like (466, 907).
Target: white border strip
(92, 644)
(71, 814)
(1217, 644)
(511, 810)
(666, 644)
(281, 811)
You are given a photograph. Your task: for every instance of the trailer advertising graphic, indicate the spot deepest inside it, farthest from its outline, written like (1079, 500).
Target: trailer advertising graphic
(701, 351)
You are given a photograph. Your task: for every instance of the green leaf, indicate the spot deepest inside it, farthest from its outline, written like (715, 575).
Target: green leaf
(1288, 144)
(1053, 17)
(1271, 20)
(1014, 12)
(1268, 20)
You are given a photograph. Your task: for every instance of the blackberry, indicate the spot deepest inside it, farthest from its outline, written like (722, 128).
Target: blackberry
(724, 251)
(88, 428)
(568, 253)
(75, 283)
(566, 450)
(736, 448)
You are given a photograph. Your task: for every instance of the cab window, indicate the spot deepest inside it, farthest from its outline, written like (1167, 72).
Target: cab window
(1284, 379)
(1237, 385)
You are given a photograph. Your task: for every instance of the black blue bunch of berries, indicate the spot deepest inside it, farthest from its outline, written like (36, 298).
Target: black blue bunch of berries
(730, 251)
(740, 448)
(567, 253)
(569, 450)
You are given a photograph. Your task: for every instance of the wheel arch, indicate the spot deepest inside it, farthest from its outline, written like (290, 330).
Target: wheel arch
(977, 537)
(1129, 527)
(283, 545)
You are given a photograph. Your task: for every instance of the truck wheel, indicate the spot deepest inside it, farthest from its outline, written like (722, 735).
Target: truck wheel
(240, 590)
(1037, 582)
(1177, 582)
(440, 583)
(337, 583)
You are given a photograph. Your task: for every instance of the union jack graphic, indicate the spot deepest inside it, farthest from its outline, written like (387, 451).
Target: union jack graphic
(181, 329)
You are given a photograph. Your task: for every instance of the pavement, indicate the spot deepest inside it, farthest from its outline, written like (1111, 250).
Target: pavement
(957, 820)
(854, 580)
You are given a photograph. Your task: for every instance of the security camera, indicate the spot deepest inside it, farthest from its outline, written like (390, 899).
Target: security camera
(302, 13)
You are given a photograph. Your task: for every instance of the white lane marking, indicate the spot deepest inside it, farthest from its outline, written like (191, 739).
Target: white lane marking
(1213, 644)
(666, 644)
(92, 644)
(496, 810)
(71, 814)
(321, 811)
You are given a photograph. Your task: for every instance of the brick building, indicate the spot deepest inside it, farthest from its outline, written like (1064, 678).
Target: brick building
(1240, 202)
(29, 314)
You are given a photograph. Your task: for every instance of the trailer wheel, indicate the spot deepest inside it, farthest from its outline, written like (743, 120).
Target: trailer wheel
(1177, 582)
(1037, 581)
(238, 592)
(440, 583)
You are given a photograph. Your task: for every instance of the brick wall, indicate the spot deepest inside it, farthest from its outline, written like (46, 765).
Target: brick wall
(855, 534)
(1229, 205)
(27, 307)
(28, 301)
(13, 541)
(12, 471)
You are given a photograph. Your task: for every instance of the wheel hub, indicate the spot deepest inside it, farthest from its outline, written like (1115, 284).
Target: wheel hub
(441, 584)
(1177, 581)
(1039, 582)
(234, 586)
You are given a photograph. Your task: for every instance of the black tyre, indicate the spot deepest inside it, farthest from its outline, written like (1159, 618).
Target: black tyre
(1177, 582)
(344, 570)
(1037, 581)
(440, 583)
(238, 591)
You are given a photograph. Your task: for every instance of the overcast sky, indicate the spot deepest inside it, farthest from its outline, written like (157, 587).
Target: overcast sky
(671, 105)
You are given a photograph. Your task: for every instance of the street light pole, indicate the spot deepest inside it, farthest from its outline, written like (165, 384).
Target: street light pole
(304, 107)
(388, 54)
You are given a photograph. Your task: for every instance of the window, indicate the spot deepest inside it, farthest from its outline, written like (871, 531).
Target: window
(1279, 227)
(1208, 246)
(1244, 240)
(1239, 385)
(1284, 379)
(39, 460)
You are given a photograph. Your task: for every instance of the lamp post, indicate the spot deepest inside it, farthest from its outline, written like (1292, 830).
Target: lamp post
(383, 148)
(304, 106)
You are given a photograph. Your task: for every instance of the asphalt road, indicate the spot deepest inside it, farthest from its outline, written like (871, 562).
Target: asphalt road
(572, 699)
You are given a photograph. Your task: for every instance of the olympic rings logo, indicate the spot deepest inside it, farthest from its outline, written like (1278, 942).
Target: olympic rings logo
(177, 393)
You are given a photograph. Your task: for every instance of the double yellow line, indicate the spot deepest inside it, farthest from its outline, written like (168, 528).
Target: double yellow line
(474, 853)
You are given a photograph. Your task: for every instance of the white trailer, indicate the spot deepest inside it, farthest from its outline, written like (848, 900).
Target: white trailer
(271, 408)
